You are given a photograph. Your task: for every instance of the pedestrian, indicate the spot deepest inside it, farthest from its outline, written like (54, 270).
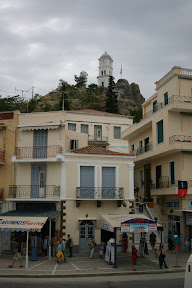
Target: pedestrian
(92, 245)
(102, 249)
(170, 241)
(176, 242)
(63, 249)
(134, 257)
(39, 244)
(152, 240)
(125, 242)
(17, 254)
(70, 245)
(54, 245)
(161, 254)
(59, 255)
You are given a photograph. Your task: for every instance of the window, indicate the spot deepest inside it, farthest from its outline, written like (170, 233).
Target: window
(147, 146)
(172, 204)
(132, 148)
(73, 144)
(101, 72)
(160, 131)
(139, 151)
(117, 132)
(166, 98)
(158, 176)
(102, 84)
(84, 128)
(140, 179)
(104, 72)
(71, 126)
(172, 172)
(87, 174)
(155, 106)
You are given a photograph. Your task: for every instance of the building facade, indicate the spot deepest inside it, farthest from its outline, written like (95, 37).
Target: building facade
(162, 142)
(105, 69)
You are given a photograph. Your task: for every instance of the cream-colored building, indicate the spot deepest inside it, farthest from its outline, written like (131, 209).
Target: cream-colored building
(162, 142)
(75, 185)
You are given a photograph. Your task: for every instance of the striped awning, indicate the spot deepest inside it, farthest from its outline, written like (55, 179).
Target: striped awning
(19, 223)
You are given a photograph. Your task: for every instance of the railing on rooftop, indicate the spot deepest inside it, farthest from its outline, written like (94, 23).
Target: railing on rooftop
(96, 138)
(180, 138)
(99, 193)
(37, 152)
(34, 191)
(2, 155)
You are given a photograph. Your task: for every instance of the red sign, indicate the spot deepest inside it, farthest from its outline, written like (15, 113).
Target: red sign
(182, 189)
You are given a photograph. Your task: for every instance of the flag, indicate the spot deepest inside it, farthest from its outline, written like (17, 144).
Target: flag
(182, 189)
(121, 70)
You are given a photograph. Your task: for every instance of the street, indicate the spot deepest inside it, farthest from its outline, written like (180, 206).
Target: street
(175, 280)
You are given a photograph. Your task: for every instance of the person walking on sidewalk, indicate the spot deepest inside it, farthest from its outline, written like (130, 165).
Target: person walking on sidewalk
(125, 242)
(152, 240)
(70, 245)
(161, 254)
(17, 254)
(134, 257)
(63, 248)
(170, 241)
(176, 241)
(92, 245)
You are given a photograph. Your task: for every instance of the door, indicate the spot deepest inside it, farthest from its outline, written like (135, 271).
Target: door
(86, 232)
(172, 172)
(108, 183)
(87, 182)
(98, 133)
(38, 181)
(147, 181)
(146, 144)
(158, 176)
(40, 144)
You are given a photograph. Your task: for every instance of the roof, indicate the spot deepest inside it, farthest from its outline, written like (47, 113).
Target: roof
(91, 149)
(106, 55)
(96, 112)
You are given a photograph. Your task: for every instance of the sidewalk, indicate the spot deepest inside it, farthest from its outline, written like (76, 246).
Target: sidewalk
(81, 266)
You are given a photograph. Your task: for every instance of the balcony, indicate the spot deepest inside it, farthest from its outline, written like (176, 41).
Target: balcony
(38, 152)
(169, 188)
(98, 141)
(2, 156)
(180, 138)
(142, 150)
(34, 192)
(1, 193)
(99, 193)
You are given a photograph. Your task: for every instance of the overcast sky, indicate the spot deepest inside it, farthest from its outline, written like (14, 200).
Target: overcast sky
(42, 41)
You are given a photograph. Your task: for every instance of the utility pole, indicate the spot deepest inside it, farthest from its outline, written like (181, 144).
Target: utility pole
(21, 91)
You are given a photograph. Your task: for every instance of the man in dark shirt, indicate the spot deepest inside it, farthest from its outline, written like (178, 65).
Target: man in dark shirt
(17, 254)
(152, 240)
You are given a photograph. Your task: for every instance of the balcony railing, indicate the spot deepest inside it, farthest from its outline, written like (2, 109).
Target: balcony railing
(97, 138)
(2, 155)
(180, 138)
(169, 184)
(147, 148)
(172, 99)
(1, 193)
(34, 191)
(38, 152)
(99, 193)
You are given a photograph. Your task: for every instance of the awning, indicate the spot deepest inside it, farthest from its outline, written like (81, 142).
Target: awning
(15, 223)
(39, 126)
(110, 221)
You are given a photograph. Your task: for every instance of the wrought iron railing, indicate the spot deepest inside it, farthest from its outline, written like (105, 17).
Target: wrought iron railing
(2, 155)
(97, 138)
(1, 193)
(159, 106)
(147, 148)
(34, 191)
(100, 193)
(168, 184)
(37, 152)
(180, 138)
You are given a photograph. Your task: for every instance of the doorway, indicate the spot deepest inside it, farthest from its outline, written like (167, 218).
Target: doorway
(86, 232)
(147, 182)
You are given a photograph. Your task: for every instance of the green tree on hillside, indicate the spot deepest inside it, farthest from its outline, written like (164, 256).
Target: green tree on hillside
(81, 80)
(111, 98)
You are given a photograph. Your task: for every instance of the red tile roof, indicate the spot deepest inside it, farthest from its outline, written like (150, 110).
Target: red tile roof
(91, 111)
(91, 149)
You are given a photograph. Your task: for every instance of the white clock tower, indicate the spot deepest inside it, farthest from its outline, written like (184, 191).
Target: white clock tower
(105, 69)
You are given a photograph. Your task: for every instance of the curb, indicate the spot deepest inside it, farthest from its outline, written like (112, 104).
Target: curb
(178, 270)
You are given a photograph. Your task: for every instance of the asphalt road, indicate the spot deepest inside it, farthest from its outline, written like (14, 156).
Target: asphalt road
(141, 281)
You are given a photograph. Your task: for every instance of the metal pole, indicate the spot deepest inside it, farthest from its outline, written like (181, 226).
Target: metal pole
(161, 235)
(27, 251)
(115, 250)
(49, 238)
